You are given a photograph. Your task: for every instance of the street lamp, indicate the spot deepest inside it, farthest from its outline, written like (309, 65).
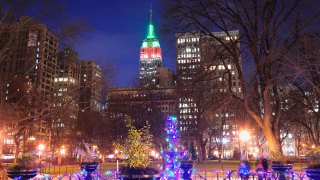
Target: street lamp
(244, 166)
(62, 152)
(116, 152)
(41, 147)
(244, 137)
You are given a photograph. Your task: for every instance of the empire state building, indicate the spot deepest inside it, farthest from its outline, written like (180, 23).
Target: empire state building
(150, 57)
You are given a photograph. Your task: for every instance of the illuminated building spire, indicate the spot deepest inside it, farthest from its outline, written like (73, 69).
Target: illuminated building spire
(150, 56)
(151, 33)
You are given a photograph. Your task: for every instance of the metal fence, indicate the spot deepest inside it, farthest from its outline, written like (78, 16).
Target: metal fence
(233, 175)
(73, 173)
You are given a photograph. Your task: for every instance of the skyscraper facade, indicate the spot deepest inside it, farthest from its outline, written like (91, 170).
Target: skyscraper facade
(90, 86)
(28, 65)
(66, 97)
(31, 55)
(150, 57)
(203, 79)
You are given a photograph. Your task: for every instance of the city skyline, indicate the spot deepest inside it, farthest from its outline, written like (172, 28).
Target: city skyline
(124, 26)
(91, 82)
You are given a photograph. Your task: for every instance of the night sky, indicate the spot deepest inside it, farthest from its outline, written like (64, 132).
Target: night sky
(118, 29)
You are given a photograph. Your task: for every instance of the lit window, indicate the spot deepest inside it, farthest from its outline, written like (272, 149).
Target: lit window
(220, 67)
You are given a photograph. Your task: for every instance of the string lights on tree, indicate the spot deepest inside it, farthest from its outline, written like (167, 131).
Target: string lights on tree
(171, 154)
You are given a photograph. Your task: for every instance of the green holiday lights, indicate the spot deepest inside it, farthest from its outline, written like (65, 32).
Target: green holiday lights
(151, 31)
(150, 48)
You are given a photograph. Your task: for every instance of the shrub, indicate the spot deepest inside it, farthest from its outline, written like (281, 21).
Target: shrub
(25, 162)
(313, 156)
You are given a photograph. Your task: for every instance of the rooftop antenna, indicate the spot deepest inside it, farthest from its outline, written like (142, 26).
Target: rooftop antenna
(150, 11)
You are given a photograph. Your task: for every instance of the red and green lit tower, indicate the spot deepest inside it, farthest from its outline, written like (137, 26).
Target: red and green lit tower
(150, 57)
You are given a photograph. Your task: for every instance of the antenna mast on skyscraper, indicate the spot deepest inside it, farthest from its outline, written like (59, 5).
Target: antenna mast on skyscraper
(150, 11)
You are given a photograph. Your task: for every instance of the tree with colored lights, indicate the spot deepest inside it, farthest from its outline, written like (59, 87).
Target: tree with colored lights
(137, 146)
(171, 154)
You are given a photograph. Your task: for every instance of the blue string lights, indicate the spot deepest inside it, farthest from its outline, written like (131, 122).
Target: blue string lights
(171, 154)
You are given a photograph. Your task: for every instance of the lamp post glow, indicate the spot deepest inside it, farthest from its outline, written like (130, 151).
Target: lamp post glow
(61, 153)
(41, 147)
(245, 137)
(116, 152)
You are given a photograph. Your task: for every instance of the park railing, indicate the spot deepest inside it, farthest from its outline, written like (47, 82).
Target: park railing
(72, 172)
(253, 175)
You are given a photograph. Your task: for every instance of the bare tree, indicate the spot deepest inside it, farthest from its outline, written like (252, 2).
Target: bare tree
(304, 69)
(268, 31)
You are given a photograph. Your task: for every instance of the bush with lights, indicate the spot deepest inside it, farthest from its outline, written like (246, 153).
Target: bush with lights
(136, 149)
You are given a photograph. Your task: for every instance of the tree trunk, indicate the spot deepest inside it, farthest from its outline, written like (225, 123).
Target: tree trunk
(220, 150)
(210, 149)
(274, 143)
(201, 147)
(16, 152)
(199, 150)
(103, 152)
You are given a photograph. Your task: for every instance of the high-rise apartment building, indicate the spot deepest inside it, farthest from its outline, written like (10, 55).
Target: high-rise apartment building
(150, 57)
(90, 86)
(31, 54)
(28, 65)
(202, 69)
(66, 97)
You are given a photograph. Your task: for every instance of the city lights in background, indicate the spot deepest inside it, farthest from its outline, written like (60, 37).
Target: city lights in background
(32, 138)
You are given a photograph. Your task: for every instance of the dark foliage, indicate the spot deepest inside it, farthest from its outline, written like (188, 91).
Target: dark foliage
(126, 170)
